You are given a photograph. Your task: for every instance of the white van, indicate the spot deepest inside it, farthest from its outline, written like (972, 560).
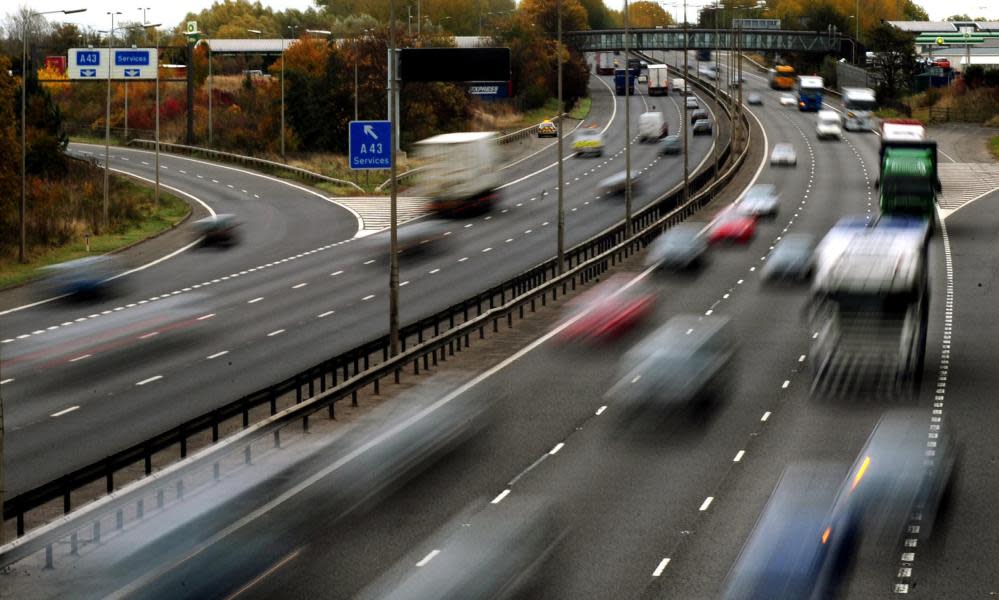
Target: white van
(652, 126)
(678, 85)
(830, 125)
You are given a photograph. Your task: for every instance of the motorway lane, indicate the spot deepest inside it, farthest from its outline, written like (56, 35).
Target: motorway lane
(289, 328)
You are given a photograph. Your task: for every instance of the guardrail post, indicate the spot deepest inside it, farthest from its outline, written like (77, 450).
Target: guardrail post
(331, 410)
(48, 558)
(66, 507)
(305, 423)
(353, 398)
(416, 366)
(108, 476)
(183, 443)
(119, 519)
(159, 498)
(97, 532)
(148, 461)
(20, 523)
(377, 381)
(246, 414)
(312, 384)
(298, 390)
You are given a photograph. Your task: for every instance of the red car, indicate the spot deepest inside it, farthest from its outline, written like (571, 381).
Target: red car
(608, 311)
(730, 226)
(943, 63)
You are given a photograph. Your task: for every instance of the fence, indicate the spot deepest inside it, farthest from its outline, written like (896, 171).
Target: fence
(946, 115)
(428, 340)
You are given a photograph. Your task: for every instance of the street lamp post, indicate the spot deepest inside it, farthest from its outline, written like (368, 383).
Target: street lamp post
(627, 128)
(558, 148)
(293, 29)
(24, 192)
(683, 125)
(393, 194)
(107, 123)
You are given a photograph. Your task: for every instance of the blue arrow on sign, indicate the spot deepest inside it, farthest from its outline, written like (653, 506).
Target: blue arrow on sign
(132, 72)
(88, 72)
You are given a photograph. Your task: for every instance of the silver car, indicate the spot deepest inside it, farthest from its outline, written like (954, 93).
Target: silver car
(701, 126)
(681, 247)
(787, 100)
(615, 184)
(692, 103)
(760, 201)
(783, 154)
(793, 259)
(754, 99)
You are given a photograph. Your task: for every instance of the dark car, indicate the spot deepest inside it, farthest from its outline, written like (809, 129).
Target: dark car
(218, 230)
(671, 144)
(87, 278)
(701, 126)
(615, 184)
(697, 115)
(802, 544)
(681, 247)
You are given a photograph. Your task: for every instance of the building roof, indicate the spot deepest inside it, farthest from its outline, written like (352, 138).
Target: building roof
(248, 45)
(943, 26)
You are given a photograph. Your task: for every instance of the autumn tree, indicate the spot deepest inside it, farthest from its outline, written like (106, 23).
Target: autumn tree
(647, 15)
(896, 59)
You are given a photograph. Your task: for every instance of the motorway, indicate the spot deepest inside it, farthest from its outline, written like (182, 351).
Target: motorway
(206, 327)
(654, 505)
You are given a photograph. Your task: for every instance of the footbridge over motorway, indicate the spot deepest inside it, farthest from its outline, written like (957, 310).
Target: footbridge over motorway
(706, 39)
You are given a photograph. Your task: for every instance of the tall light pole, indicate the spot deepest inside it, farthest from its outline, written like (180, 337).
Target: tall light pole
(22, 249)
(627, 128)
(558, 147)
(147, 27)
(24, 176)
(208, 44)
(144, 14)
(393, 195)
(293, 28)
(107, 124)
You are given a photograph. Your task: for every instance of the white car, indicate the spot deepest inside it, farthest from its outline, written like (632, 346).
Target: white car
(783, 154)
(760, 201)
(787, 100)
(692, 103)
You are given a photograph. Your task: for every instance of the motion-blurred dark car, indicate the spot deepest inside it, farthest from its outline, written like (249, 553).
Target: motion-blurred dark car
(422, 236)
(687, 360)
(218, 230)
(701, 126)
(608, 311)
(615, 184)
(760, 201)
(802, 544)
(671, 144)
(697, 115)
(792, 259)
(681, 247)
(732, 226)
(87, 278)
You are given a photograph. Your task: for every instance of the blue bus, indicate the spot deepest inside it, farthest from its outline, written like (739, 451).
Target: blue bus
(809, 90)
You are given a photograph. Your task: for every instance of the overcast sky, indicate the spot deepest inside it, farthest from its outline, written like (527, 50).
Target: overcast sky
(172, 12)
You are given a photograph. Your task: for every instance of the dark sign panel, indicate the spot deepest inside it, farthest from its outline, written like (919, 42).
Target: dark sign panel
(454, 64)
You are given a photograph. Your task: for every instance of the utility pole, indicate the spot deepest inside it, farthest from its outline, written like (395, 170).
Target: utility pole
(738, 81)
(107, 125)
(686, 91)
(717, 83)
(558, 146)
(627, 128)
(393, 197)
(208, 44)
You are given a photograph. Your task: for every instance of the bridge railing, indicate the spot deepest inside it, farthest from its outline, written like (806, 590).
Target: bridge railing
(424, 342)
(704, 39)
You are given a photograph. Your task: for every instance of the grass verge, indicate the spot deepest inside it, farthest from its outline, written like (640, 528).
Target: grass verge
(171, 211)
(994, 146)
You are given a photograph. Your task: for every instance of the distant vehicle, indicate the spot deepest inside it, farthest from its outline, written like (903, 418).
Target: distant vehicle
(708, 72)
(680, 86)
(616, 183)
(908, 181)
(688, 360)
(635, 66)
(859, 104)
(828, 125)
(547, 129)
(608, 311)
(643, 80)
(703, 55)
(89, 278)
(781, 77)
(658, 81)
(697, 115)
(679, 248)
(605, 63)
(783, 154)
(760, 201)
(418, 237)
(671, 144)
(803, 542)
(588, 141)
(642, 65)
(624, 82)
(254, 73)
(218, 230)
(652, 126)
(810, 89)
(732, 226)
(692, 103)
(701, 126)
(460, 174)
(787, 100)
(754, 99)
(792, 259)
(943, 63)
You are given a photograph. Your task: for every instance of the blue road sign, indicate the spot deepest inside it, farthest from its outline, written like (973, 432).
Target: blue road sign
(132, 72)
(88, 58)
(370, 145)
(88, 72)
(131, 58)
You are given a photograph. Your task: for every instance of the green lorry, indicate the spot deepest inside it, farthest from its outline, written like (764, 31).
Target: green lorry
(908, 180)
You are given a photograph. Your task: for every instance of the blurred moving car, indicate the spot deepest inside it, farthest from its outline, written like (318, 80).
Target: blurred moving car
(943, 63)
(783, 154)
(547, 129)
(687, 360)
(761, 200)
(589, 142)
(616, 183)
(643, 79)
(218, 230)
(697, 115)
(754, 99)
(692, 103)
(732, 226)
(895, 474)
(801, 546)
(829, 125)
(608, 311)
(701, 126)
(416, 237)
(680, 247)
(88, 278)
(793, 258)
(671, 144)
(787, 100)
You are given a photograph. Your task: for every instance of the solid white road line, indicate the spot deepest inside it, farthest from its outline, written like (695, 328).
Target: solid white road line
(429, 557)
(150, 380)
(275, 332)
(557, 447)
(325, 314)
(65, 411)
(255, 300)
(217, 354)
(662, 566)
(81, 357)
(739, 455)
(500, 497)
(208, 316)
(707, 502)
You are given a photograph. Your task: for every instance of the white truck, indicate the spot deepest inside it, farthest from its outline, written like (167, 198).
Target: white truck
(458, 171)
(829, 125)
(680, 86)
(658, 80)
(859, 104)
(605, 63)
